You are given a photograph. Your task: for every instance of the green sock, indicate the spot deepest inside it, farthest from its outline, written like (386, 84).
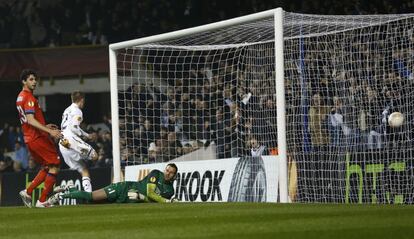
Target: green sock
(78, 195)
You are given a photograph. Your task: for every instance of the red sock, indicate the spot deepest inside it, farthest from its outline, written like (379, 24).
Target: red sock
(49, 182)
(40, 177)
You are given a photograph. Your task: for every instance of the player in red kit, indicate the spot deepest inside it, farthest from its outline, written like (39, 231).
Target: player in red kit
(36, 136)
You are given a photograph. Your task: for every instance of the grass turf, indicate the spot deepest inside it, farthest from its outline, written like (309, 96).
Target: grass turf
(209, 220)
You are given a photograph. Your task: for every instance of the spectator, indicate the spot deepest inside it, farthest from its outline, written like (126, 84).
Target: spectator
(187, 148)
(4, 136)
(336, 123)
(32, 166)
(38, 31)
(21, 155)
(54, 35)
(257, 149)
(19, 136)
(103, 159)
(100, 22)
(17, 167)
(107, 144)
(6, 164)
(219, 134)
(318, 119)
(12, 136)
(174, 146)
(107, 121)
(153, 153)
(373, 121)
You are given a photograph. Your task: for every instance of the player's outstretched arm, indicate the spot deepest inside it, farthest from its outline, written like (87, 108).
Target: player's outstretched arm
(153, 196)
(55, 133)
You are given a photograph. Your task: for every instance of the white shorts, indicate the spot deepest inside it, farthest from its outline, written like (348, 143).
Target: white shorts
(78, 151)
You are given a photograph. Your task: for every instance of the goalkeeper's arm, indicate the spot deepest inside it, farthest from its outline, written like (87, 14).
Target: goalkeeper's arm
(152, 196)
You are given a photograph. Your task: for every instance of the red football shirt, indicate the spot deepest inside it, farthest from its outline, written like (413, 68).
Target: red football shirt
(27, 104)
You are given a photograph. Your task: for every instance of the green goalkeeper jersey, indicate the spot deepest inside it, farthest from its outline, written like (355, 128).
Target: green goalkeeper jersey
(153, 187)
(154, 183)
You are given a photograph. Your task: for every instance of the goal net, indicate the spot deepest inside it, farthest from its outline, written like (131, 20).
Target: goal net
(211, 94)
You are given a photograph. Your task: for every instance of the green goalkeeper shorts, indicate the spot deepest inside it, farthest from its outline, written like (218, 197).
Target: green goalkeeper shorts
(118, 192)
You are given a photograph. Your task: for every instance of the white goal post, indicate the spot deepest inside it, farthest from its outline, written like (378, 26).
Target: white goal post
(315, 89)
(278, 16)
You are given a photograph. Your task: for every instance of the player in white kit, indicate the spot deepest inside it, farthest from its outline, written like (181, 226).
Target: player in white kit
(74, 150)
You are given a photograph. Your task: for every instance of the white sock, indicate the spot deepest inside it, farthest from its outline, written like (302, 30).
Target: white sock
(86, 184)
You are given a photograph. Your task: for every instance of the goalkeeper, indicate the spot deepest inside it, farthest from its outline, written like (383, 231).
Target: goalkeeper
(155, 187)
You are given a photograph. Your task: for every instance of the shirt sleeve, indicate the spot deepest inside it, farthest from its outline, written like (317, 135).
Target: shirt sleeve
(153, 179)
(152, 195)
(29, 105)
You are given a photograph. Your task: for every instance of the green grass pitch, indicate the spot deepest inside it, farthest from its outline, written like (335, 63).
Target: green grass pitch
(209, 220)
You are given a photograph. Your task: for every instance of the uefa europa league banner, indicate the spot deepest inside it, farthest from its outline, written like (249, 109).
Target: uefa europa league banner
(247, 179)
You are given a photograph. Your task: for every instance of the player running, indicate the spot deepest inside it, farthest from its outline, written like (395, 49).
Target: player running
(155, 187)
(74, 150)
(36, 136)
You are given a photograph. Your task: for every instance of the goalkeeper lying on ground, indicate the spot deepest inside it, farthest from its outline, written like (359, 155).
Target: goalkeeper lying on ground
(155, 187)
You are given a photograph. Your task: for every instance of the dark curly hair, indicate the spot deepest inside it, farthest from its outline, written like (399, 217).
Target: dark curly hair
(26, 72)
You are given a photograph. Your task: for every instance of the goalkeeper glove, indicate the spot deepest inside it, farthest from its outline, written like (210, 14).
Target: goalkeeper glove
(173, 199)
(135, 196)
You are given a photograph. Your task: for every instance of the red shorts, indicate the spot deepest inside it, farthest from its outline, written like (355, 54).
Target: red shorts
(44, 151)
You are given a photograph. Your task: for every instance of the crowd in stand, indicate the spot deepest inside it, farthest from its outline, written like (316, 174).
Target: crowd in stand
(189, 110)
(14, 156)
(335, 102)
(219, 101)
(345, 99)
(51, 23)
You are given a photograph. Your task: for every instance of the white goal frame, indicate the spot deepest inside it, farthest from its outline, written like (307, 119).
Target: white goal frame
(277, 14)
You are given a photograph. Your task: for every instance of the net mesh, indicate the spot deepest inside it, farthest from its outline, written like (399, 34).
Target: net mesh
(212, 94)
(343, 81)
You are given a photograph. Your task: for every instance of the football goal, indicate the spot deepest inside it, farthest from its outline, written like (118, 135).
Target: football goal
(315, 90)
